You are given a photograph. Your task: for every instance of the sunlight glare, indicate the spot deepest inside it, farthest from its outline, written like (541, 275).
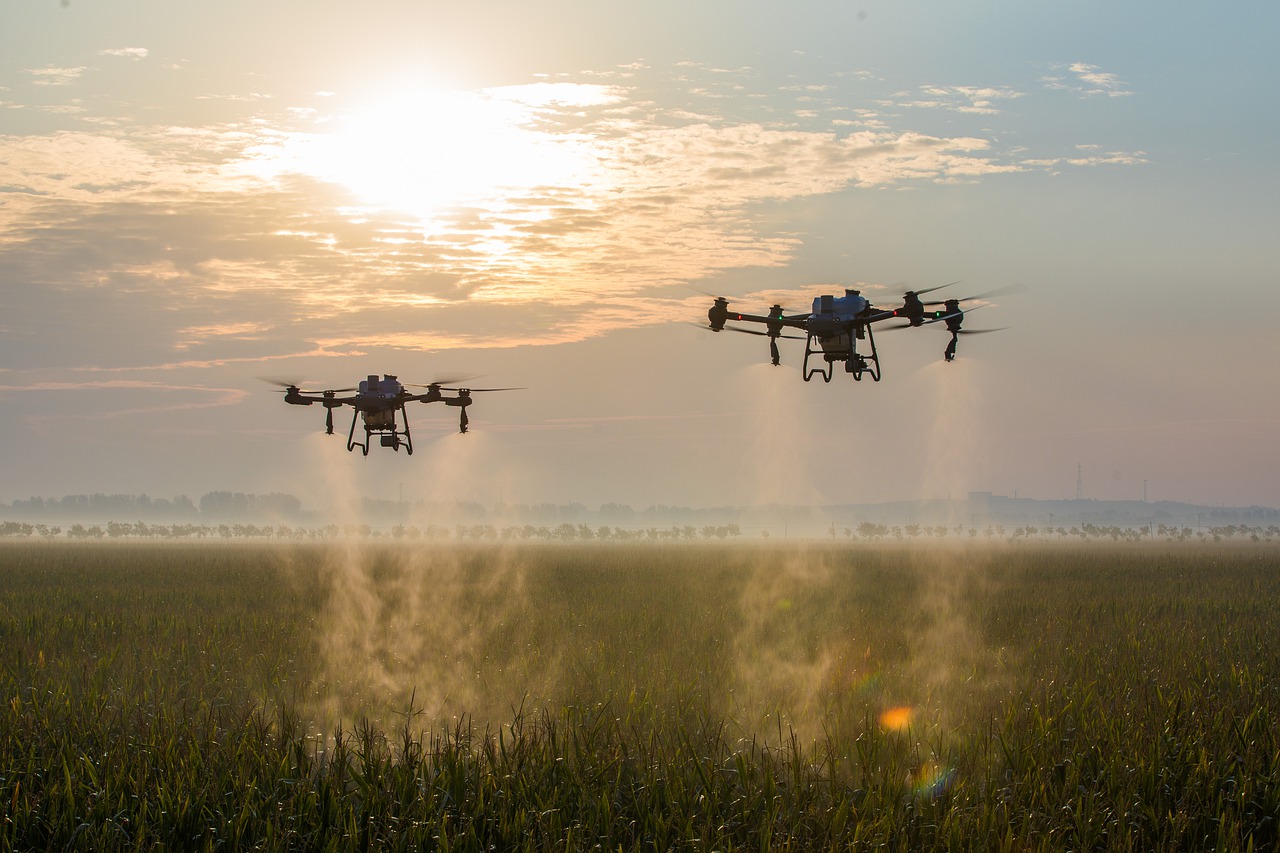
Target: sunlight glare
(423, 152)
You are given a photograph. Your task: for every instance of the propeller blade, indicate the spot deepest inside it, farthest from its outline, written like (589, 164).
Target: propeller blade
(440, 383)
(478, 390)
(931, 289)
(762, 334)
(999, 291)
(281, 381)
(288, 386)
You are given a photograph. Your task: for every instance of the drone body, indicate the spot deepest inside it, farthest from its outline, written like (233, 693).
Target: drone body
(376, 402)
(838, 325)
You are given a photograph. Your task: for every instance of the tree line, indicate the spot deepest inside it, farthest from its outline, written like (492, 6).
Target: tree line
(567, 532)
(1076, 532)
(212, 505)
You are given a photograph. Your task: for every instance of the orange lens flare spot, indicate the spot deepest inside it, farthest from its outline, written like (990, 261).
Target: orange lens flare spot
(896, 719)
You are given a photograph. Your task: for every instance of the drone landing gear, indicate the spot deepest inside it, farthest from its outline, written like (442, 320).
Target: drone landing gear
(382, 424)
(855, 363)
(824, 372)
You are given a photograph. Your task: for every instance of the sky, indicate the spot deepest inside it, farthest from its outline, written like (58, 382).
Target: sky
(545, 195)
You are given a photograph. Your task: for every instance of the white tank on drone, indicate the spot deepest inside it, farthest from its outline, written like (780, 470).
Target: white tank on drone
(385, 387)
(845, 306)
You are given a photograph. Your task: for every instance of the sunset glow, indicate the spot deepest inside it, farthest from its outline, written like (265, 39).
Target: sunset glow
(425, 152)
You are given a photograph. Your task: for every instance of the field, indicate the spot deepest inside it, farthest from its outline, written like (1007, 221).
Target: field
(613, 696)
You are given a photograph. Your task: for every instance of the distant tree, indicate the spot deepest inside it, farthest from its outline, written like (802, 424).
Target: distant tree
(617, 513)
(870, 530)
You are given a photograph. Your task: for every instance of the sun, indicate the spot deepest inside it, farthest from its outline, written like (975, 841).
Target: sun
(424, 152)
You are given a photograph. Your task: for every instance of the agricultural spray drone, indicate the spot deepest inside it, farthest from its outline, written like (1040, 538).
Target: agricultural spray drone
(376, 401)
(837, 323)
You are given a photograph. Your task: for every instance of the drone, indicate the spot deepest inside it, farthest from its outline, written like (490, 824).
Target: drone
(837, 323)
(377, 401)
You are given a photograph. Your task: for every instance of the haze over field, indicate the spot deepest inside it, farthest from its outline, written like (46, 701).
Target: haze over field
(192, 197)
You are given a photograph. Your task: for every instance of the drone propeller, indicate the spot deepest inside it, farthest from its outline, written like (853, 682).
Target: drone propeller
(440, 383)
(281, 381)
(928, 289)
(999, 291)
(289, 385)
(479, 390)
(942, 319)
(773, 334)
(762, 334)
(945, 317)
(774, 355)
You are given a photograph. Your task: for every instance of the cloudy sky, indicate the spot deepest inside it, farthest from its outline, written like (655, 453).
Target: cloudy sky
(540, 194)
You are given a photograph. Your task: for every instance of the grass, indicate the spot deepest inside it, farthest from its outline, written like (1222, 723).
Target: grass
(620, 696)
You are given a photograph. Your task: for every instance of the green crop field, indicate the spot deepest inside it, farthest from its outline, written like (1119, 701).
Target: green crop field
(613, 696)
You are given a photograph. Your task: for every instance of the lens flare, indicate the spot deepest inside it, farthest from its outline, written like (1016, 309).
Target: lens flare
(897, 719)
(932, 780)
(864, 684)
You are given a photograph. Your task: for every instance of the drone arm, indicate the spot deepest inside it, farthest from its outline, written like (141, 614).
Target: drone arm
(431, 396)
(293, 398)
(778, 322)
(302, 398)
(876, 315)
(719, 314)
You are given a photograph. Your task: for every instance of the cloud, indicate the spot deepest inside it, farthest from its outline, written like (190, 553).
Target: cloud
(1090, 156)
(56, 76)
(244, 330)
(124, 392)
(960, 99)
(1089, 81)
(234, 243)
(134, 53)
